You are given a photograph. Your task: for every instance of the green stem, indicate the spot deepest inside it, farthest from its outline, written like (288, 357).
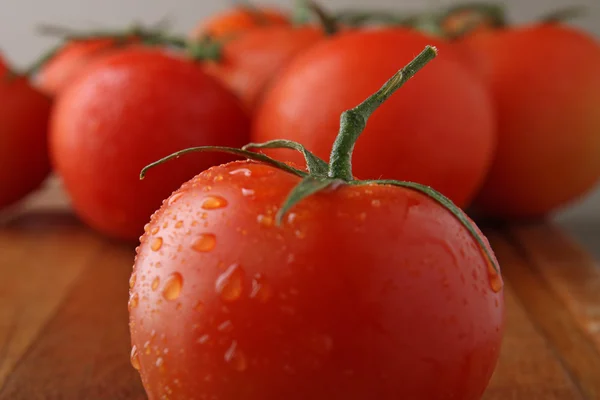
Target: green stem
(563, 14)
(354, 121)
(328, 22)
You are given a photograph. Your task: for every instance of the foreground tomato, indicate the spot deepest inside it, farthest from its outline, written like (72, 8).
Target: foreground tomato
(350, 290)
(126, 110)
(24, 112)
(545, 82)
(249, 63)
(239, 20)
(69, 61)
(445, 141)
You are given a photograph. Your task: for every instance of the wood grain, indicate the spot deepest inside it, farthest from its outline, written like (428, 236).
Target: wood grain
(82, 352)
(552, 318)
(64, 332)
(568, 269)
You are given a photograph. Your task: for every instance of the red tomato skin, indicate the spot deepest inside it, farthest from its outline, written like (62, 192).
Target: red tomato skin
(251, 62)
(438, 131)
(238, 21)
(545, 82)
(61, 69)
(364, 292)
(128, 110)
(24, 114)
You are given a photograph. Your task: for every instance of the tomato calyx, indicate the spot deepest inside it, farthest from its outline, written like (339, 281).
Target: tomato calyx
(321, 175)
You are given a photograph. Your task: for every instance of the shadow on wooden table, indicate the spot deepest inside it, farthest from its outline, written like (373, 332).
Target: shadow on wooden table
(64, 332)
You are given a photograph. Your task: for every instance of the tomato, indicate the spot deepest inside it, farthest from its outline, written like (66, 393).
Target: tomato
(249, 63)
(239, 20)
(126, 110)
(545, 83)
(366, 290)
(444, 140)
(24, 114)
(69, 61)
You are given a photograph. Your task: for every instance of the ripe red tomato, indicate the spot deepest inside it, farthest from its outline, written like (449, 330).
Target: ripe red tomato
(545, 82)
(24, 114)
(123, 112)
(69, 61)
(249, 63)
(239, 20)
(366, 291)
(439, 131)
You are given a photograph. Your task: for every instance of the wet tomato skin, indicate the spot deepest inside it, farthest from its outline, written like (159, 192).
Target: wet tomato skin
(363, 292)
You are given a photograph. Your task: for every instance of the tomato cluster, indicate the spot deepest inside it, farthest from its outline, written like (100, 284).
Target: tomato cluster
(266, 269)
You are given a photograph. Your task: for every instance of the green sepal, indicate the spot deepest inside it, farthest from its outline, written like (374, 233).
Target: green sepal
(315, 165)
(307, 187)
(230, 150)
(444, 202)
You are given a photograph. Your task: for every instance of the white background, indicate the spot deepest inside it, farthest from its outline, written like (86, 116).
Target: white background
(21, 45)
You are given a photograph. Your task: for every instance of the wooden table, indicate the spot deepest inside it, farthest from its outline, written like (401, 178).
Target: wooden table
(63, 312)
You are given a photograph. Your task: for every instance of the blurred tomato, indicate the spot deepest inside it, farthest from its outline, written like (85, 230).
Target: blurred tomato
(64, 66)
(439, 131)
(127, 110)
(24, 114)
(250, 63)
(239, 20)
(545, 82)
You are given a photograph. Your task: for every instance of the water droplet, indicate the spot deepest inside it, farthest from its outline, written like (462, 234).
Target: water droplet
(156, 244)
(155, 230)
(375, 203)
(160, 362)
(261, 290)
(147, 347)
(155, 283)
(204, 242)
(132, 280)
(291, 218)
(179, 224)
(362, 216)
(135, 358)
(241, 171)
(199, 306)
(214, 202)
(225, 327)
(495, 279)
(175, 197)
(218, 178)
(230, 283)
(300, 234)
(173, 285)
(291, 258)
(134, 300)
(265, 220)
(247, 192)
(235, 358)
(203, 339)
